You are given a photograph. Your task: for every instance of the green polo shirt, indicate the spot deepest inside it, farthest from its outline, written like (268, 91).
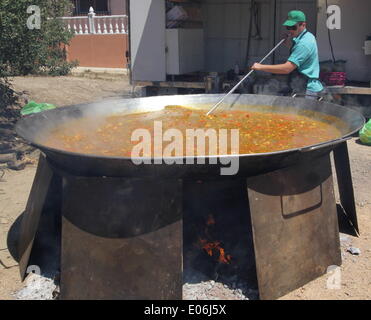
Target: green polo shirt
(304, 55)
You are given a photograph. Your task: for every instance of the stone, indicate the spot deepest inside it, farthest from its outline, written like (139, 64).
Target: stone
(354, 251)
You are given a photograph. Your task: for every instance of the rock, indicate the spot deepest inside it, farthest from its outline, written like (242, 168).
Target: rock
(354, 251)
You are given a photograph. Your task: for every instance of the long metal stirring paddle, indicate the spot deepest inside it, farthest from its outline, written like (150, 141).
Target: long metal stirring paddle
(243, 79)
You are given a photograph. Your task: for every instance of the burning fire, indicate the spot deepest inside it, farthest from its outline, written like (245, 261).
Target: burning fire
(214, 247)
(209, 247)
(210, 220)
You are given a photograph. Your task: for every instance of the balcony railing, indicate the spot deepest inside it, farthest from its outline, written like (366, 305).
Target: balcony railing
(93, 24)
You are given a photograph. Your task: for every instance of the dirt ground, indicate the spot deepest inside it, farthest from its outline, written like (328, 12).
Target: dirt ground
(355, 272)
(64, 91)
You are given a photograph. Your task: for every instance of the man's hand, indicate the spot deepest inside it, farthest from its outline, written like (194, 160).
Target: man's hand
(257, 66)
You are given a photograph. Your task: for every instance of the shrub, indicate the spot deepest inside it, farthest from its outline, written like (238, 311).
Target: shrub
(7, 95)
(24, 51)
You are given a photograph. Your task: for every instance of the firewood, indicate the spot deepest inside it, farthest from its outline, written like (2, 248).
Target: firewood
(5, 146)
(16, 149)
(6, 132)
(17, 165)
(4, 158)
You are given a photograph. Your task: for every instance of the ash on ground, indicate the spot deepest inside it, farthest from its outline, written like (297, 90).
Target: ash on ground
(38, 287)
(213, 290)
(204, 278)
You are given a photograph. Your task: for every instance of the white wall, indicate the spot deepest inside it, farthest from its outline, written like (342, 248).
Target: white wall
(147, 27)
(226, 24)
(227, 21)
(347, 42)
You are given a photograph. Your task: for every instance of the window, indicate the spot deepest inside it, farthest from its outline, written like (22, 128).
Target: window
(82, 7)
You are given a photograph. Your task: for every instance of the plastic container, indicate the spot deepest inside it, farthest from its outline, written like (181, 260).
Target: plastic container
(365, 134)
(333, 78)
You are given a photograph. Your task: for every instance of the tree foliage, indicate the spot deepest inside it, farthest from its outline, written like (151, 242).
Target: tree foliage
(24, 51)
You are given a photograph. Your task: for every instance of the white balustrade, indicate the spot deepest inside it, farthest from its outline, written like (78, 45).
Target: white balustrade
(110, 26)
(93, 24)
(104, 27)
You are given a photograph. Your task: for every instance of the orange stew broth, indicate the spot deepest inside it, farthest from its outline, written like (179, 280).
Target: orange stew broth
(259, 132)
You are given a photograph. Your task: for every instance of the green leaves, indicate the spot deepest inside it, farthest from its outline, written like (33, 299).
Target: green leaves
(24, 51)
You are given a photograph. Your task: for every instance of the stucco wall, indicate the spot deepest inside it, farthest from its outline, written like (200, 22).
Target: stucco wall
(103, 51)
(347, 42)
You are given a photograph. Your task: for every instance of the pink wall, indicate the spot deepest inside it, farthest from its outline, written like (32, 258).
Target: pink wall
(97, 50)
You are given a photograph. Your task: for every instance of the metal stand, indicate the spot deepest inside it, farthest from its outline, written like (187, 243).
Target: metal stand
(295, 226)
(40, 227)
(123, 238)
(345, 184)
(118, 238)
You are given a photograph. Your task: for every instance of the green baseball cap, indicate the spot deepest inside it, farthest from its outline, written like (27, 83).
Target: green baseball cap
(294, 17)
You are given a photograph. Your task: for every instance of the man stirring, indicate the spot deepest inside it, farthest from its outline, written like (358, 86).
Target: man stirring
(303, 55)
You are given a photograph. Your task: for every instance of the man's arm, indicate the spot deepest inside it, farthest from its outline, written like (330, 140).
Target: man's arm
(285, 68)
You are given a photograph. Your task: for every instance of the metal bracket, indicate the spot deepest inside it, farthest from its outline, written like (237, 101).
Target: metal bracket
(295, 95)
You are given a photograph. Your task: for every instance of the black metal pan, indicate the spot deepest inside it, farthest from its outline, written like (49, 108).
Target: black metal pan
(32, 127)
